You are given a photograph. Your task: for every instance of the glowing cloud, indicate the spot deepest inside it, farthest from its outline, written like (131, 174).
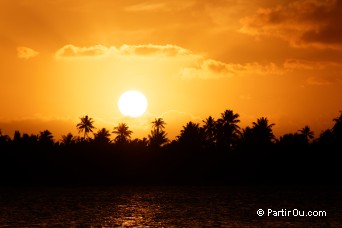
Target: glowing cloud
(190, 65)
(150, 49)
(145, 7)
(26, 53)
(212, 69)
(158, 6)
(70, 51)
(99, 51)
(301, 64)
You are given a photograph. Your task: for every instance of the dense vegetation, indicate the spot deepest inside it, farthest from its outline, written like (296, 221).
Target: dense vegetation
(213, 152)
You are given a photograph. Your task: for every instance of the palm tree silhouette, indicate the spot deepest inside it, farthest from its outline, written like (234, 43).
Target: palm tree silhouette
(227, 129)
(209, 130)
(123, 133)
(337, 128)
(326, 138)
(191, 135)
(32, 139)
(86, 126)
(4, 138)
(247, 137)
(17, 137)
(158, 124)
(102, 136)
(263, 131)
(293, 140)
(338, 120)
(68, 139)
(45, 137)
(307, 133)
(158, 136)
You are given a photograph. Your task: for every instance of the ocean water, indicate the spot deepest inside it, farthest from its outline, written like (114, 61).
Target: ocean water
(168, 206)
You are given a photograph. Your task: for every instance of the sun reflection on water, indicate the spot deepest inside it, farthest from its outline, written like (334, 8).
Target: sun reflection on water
(153, 207)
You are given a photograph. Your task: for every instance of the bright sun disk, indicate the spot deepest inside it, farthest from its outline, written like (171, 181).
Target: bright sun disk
(132, 103)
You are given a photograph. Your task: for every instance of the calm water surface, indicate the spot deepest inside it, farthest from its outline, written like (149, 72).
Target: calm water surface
(167, 206)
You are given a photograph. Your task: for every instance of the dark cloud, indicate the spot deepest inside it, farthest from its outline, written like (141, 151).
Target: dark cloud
(301, 23)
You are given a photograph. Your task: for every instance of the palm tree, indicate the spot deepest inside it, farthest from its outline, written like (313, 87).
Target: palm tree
(86, 126)
(158, 136)
(4, 138)
(123, 133)
(227, 129)
(140, 143)
(17, 137)
(68, 139)
(262, 131)
(32, 139)
(158, 124)
(338, 120)
(337, 128)
(157, 139)
(45, 137)
(307, 133)
(326, 138)
(293, 140)
(102, 136)
(209, 130)
(191, 135)
(247, 136)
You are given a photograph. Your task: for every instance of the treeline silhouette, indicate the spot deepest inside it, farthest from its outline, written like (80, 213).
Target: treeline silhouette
(212, 152)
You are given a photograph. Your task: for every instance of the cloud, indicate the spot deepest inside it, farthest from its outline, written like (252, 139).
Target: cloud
(99, 51)
(159, 6)
(322, 73)
(191, 65)
(207, 69)
(71, 51)
(300, 64)
(26, 53)
(150, 49)
(145, 6)
(307, 23)
(319, 81)
(213, 69)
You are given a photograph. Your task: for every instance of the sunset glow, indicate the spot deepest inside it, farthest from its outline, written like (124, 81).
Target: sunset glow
(66, 59)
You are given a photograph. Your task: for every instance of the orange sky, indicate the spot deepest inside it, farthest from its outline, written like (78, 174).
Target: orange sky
(63, 59)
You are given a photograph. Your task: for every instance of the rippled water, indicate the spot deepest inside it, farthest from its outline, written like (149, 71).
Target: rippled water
(166, 206)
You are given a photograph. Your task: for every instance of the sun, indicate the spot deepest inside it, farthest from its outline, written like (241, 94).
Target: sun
(132, 103)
